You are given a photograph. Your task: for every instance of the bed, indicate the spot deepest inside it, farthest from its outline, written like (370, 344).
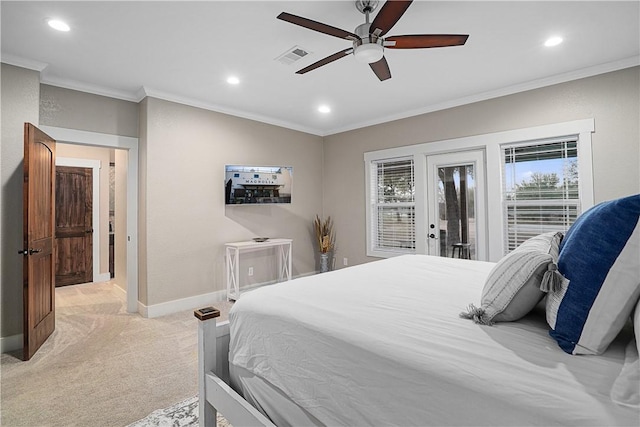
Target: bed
(383, 343)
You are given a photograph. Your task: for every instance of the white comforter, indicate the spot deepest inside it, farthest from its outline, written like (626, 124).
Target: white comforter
(382, 344)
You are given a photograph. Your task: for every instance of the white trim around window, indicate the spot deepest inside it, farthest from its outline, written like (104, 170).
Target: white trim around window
(391, 208)
(492, 145)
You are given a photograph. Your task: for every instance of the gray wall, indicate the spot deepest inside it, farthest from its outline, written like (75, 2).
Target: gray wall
(612, 99)
(185, 151)
(72, 109)
(20, 93)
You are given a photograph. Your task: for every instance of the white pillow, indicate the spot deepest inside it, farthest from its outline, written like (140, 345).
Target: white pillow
(513, 287)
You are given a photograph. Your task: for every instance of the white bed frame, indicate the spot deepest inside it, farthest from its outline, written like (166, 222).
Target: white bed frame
(214, 391)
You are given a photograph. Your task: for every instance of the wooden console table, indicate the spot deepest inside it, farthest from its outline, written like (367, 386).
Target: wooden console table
(233, 251)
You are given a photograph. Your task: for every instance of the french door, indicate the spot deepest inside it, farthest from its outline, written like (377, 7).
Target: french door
(456, 211)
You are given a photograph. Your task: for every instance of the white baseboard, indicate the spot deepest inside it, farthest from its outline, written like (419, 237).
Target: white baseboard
(11, 343)
(101, 277)
(195, 302)
(184, 304)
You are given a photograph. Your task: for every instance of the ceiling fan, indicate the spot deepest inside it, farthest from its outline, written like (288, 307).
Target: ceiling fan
(368, 41)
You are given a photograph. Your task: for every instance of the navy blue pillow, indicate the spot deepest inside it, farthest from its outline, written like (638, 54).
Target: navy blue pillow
(600, 257)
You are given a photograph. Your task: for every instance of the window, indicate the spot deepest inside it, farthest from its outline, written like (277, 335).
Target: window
(535, 180)
(392, 208)
(540, 189)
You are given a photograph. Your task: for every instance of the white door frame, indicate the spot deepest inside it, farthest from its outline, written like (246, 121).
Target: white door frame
(477, 159)
(80, 137)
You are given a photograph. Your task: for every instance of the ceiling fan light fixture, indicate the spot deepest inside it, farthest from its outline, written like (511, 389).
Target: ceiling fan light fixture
(368, 53)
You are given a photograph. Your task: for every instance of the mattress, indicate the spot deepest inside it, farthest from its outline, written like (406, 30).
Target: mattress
(382, 344)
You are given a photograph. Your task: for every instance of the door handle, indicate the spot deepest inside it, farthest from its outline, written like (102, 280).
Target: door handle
(31, 251)
(432, 235)
(88, 231)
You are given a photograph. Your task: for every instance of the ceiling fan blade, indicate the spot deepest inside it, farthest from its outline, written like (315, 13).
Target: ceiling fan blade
(423, 41)
(389, 14)
(326, 61)
(381, 68)
(318, 26)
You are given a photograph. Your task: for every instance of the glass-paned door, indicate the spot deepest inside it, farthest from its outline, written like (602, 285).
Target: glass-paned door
(456, 209)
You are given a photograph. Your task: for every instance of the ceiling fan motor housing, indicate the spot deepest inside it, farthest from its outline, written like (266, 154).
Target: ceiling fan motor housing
(369, 48)
(366, 5)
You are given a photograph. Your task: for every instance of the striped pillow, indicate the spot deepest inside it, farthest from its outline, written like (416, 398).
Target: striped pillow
(600, 257)
(518, 281)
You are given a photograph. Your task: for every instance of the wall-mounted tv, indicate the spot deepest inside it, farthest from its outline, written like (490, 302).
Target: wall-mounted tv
(256, 185)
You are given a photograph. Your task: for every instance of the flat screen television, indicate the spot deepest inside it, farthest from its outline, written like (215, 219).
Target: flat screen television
(257, 185)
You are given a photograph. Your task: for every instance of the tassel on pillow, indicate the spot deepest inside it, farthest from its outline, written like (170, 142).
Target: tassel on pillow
(552, 279)
(478, 315)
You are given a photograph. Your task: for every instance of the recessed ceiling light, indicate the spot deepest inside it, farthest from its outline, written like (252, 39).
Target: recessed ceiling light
(233, 80)
(56, 24)
(553, 41)
(324, 109)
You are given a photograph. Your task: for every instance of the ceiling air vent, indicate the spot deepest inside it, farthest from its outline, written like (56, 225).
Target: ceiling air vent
(292, 55)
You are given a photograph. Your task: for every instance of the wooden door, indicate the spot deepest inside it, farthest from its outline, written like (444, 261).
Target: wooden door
(74, 229)
(38, 229)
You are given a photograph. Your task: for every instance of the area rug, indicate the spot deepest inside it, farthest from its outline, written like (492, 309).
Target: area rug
(182, 414)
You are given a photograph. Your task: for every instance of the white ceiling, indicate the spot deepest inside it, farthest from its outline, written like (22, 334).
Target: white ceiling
(184, 51)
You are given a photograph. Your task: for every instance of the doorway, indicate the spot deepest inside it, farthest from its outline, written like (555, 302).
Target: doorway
(456, 209)
(94, 165)
(129, 228)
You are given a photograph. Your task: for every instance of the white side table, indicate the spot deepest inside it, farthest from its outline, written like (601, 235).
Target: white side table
(233, 251)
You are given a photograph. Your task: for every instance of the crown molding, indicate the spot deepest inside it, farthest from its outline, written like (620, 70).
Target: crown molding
(510, 90)
(87, 87)
(153, 93)
(21, 62)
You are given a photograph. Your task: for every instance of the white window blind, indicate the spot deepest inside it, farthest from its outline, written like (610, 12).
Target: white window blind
(541, 189)
(393, 205)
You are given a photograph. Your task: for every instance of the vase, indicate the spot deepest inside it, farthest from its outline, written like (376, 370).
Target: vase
(324, 262)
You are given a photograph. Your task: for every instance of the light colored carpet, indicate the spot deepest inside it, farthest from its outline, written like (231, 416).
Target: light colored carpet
(102, 366)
